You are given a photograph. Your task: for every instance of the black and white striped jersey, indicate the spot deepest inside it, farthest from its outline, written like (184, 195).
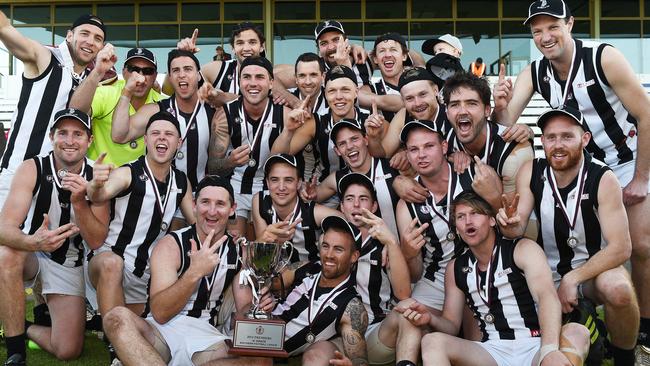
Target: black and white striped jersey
(40, 98)
(259, 135)
(440, 247)
(511, 305)
(555, 228)
(192, 158)
(372, 281)
(382, 176)
(321, 106)
(227, 79)
(612, 127)
(48, 197)
(137, 221)
(327, 308)
(363, 72)
(305, 238)
(381, 87)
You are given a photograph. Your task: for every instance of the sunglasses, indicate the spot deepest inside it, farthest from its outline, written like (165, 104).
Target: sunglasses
(141, 70)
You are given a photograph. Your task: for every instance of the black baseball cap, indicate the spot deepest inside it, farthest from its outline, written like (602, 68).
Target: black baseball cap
(92, 20)
(215, 181)
(416, 123)
(392, 36)
(555, 8)
(282, 158)
(345, 122)
(443, 66)
(415, 74)
(340, 71)
(142, 53)
(340, 223)
(355, 178)
(176, 53)
(326, 26)
(164, 116)
(257, 61)
(74, 114)
(565, 110)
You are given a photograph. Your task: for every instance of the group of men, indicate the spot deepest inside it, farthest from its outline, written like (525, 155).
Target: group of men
(424, 228)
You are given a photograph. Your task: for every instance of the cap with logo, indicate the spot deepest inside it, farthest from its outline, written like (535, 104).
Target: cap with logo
(414, 74)
(554, 8)
(428, 45)
(340, 223)
(74, 114)
(92, 20)
(328, 26)
(416, 123)
(282, 158)
(564, 110)
(443, 66)
(142, 53)
(345, 123)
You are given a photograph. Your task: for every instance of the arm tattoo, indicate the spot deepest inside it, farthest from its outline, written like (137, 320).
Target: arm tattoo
(353, 334)
(219, 141)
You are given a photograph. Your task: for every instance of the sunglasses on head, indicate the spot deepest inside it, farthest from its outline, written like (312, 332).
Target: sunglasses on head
(141, 70)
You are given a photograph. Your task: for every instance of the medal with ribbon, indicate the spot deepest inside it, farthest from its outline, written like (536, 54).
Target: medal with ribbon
(161, 202)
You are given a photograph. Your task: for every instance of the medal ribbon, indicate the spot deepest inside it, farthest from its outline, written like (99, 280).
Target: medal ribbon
(244, 121)
(489, 278)
(68, 64)
(188, 123)
(209, 280)
(451, 183)
(292, 217)
(162, 206)
(321, 306)
(55, 173)
(573, 70)
(558, 198)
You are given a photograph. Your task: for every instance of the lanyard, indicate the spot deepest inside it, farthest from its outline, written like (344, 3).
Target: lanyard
(292, 217)
(573, 72)
(321, 306)
(451, 183)
(244, 121)
(571, 219)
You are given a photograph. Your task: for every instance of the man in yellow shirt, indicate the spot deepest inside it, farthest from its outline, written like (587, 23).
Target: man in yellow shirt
(101, 101)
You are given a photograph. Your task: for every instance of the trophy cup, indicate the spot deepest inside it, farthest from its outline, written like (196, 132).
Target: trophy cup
(256, 333)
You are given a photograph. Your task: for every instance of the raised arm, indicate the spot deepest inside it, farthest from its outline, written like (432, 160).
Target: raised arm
(92, 218)
(295, 135)
(125, 128)
(510, 102)
(34, 55)
(513, 221)
(83, 96)
(412, 240)
(107, 182)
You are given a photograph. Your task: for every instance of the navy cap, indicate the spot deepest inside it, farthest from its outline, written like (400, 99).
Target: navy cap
(282, 158)
(326, 26)
(416, 123)
(340, 71)
(355, 178)
(565, 110)
(142, 53)
(392, 36)
(215, 181)
(92, 20)
(554, 8)
(443, 66)
(340, 223)
(415, 74)
(164, 116)
(257, 61)
(345, 122)
(74, 114)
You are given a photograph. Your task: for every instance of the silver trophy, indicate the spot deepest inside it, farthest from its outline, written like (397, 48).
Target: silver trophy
(263, 261)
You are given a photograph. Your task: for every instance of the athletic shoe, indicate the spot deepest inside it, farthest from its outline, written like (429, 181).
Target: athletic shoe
(15, 360)
(585, 314)
(641, 356)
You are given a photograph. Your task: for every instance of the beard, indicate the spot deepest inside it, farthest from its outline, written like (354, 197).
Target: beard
(573, 157)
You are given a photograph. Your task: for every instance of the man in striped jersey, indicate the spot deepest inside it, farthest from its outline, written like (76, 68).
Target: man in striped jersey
(326, 305)
(191, 270)
(595, 78)
(389, 335)
(583, 226)
(50, 76)
(43, 227)
(144, 196)
(510, 292)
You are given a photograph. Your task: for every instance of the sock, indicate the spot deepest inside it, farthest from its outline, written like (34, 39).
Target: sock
(405, 363)
(27, 325)
(111, 350)
(16, 344)
(644, 332)
(42, 315)
(622, 357)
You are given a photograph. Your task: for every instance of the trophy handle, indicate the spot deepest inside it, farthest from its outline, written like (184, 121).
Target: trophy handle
(284, 261)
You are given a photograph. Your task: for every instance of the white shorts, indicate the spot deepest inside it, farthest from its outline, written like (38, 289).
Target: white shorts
(625, 173)
(244, 204)
(430, 293)
(6, 177)
(58, 279)
(519, 352)
(378, 353)
(186, 335)
(134, 287)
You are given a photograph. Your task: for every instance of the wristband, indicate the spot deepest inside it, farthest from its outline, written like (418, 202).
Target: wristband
(545, 350)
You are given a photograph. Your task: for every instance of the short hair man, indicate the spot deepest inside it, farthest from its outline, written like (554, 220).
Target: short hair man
(139, 73)
(191, 269)
(572, 194)
(616, 109)
(510, 294)
(144, 195)
(50, 75)
(280, 215)
(323, 306)
(43, 228)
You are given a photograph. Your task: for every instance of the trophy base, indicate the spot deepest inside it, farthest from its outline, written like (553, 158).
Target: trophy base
(258, 338)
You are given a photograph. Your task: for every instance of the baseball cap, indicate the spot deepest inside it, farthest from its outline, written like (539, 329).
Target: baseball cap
(340, 71)
(176, 53)
(282, 158)
(164, 116)
(427, 46)
(326, 26)
(555, 8)
(339, 222)
(416, 123)
(142, 53)
(443, 66)
(74, 114)
(345, 122)
(257, 61)
(392, 36)
(92, 20)
(215, 181)
(355, 178)
(415, 74)
(565, 110)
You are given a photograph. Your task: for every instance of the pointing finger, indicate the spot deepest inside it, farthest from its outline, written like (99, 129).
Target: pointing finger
(195, 35)
(502, 71)
(100, 159)
(374, 108)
